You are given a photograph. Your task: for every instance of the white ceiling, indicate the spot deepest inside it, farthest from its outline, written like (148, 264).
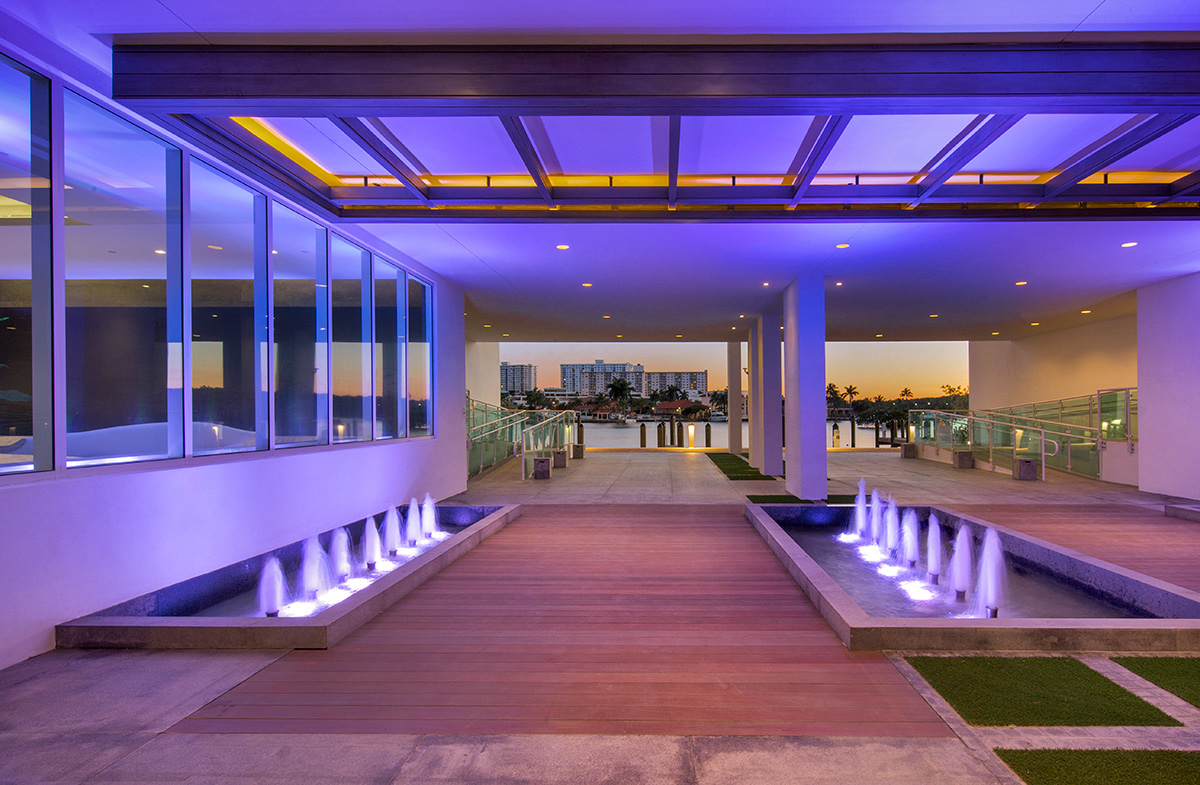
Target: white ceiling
(656, 280)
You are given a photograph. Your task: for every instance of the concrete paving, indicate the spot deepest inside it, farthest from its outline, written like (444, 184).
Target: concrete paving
(98, 716)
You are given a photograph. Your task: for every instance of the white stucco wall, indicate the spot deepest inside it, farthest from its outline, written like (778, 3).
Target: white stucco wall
(78, 541)
(1059, 364)
(1169, 387)
(483, 371)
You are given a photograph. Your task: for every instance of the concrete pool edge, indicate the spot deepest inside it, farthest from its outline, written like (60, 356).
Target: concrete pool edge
(860, 632)
(315, 632)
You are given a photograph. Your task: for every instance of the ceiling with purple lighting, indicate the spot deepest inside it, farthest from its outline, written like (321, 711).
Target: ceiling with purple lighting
(678, 214)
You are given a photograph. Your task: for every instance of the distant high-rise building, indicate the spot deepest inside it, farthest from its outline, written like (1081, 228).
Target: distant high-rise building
(591, 378)
(694, 383)
(517, 378)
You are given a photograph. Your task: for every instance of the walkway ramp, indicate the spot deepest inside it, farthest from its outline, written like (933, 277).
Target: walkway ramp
(613, 619)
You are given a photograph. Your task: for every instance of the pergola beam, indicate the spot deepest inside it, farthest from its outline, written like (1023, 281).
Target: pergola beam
(529, 155)
(1123, 145)
(828, 133)
(991, 130)
(369, 134)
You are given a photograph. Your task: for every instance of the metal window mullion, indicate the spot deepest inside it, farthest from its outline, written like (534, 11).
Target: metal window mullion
(268, 365)
(402, 424)
(46, 161)
(327, 311)
(183, 295)
(58, 274)
(366, 333)
(262, 324)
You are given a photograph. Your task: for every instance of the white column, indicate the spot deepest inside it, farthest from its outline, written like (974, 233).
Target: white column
(733, 366)
(1168, 373)
(770, 392)
(804, 379)
(754, 399)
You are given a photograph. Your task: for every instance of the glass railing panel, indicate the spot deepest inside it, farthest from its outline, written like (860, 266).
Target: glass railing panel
(1057, 451)
(1133, 415)
(1114, 415)
(1085, 457)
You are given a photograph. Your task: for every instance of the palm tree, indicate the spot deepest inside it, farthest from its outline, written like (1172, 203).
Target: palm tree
(618, 391)
(832, 395)
(906, 394)
(535, 399)
(673, 393)
(850, 392)
(719, 399)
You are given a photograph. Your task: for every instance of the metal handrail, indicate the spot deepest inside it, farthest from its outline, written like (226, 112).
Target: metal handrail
(1056, 423)
(969, 418)
(504, 422)
(526, 433)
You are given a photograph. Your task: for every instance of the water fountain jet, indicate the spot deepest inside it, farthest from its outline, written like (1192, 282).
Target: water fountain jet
(315, 573)
(960, 562)
(892, 526)
(910, 538)
(989, 594)
(371, 547)
(933, 549)
(272, 588)
(860, 510)
(391, 531)
(339, 554)
(876, 517)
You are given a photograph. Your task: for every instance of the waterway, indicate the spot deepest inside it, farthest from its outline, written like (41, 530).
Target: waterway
(602, 434)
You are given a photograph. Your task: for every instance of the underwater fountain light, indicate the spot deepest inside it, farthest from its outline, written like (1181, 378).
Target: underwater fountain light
(371, 547)
(272, 588)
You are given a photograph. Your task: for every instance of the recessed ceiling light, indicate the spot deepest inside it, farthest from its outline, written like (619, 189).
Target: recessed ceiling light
(995, 333)
(606, 316)
(839, 283)
(878, 335)
(587, 284)
(1022, 283)
(147, 286)
(274, 251)
(562, 247)
(1085, 311)
(487, 325)
(741, 316)
(732, 328)
(766, 283)
(933, 316)
(678, 335)
(160, 252)
(842, 245)
(216, 248)
(1128, 245)
(504, 335)
(620, 336)
(1034, 324)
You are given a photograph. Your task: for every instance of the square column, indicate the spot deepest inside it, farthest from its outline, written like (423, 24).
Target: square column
(754, 399)
(1168, 380)
(770, 394)
(804, 378)
(733, 366)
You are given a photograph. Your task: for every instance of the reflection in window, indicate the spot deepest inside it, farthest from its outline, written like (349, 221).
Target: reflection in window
(229, 314)
(420, 359)
(122, 253)
(389, 350)
(24, 236)
(301, 353)
(350, 282)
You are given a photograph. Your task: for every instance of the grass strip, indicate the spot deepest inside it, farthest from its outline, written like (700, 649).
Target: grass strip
(1110, 767)
(1177, 675)
(1033, 691)
(735, 468)
(787, 498)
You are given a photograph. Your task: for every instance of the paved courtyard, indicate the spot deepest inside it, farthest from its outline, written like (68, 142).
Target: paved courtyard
(601, 638)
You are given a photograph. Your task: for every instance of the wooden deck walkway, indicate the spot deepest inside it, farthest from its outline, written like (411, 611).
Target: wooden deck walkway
(1131, 536)
(591, 619)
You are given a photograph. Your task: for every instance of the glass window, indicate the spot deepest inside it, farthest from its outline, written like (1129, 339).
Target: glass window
(229, 314)
(389, 351)
(299, 317)
(420, 358)
(122, 266)
(24, 237)
(350, 282)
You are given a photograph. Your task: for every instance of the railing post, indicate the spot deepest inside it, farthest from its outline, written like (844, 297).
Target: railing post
(992, 444)
(1068, 448)
(1043, 455)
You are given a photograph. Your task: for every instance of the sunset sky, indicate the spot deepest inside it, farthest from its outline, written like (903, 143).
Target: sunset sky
(874, 368)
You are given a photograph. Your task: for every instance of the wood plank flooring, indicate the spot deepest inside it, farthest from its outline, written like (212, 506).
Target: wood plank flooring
(1132, 536)
(591, 619)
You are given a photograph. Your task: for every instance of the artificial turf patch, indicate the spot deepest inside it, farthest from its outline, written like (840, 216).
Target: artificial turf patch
(1178, 675)
(1034, 691)
(1110, 767)
(735, 468)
